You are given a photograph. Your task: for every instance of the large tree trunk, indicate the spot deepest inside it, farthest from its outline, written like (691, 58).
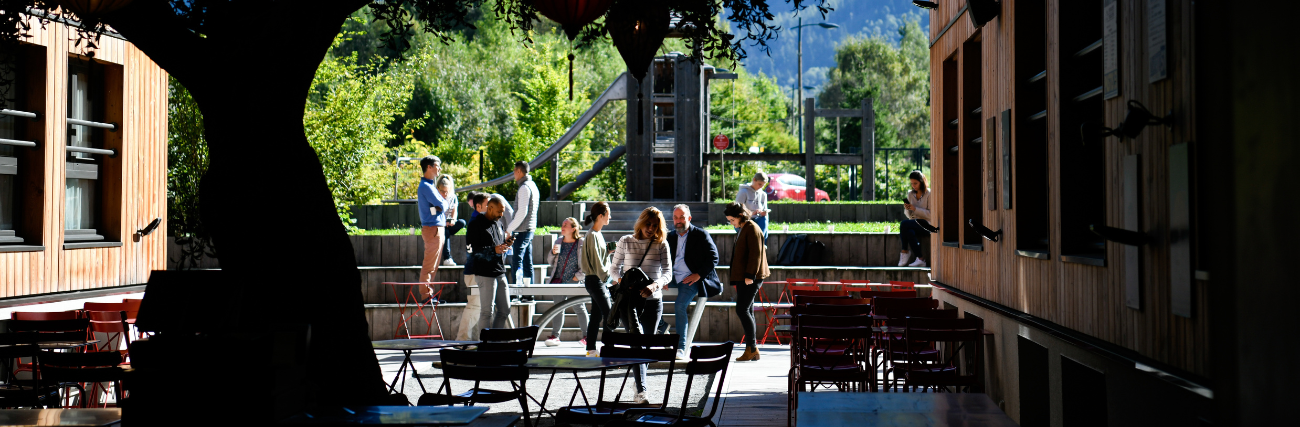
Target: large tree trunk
(264, 198)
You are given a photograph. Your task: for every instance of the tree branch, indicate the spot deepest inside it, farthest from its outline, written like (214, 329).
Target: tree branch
(154, 28)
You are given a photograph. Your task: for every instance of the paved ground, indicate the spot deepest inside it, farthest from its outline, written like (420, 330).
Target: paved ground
(754, 394)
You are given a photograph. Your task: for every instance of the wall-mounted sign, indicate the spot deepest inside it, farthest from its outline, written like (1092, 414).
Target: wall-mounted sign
(1110, 46)
(1157, 56)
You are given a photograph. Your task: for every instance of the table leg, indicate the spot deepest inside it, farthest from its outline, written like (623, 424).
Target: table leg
(694, 323)
(400, 371)
(545, 395)
(414, 373)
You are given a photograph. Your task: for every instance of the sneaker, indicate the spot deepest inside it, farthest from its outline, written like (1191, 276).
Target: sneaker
(593, 353)
(448, 263)
(583, 341)
(640, 399)
(902, 259)
(681, 355)
(918, 263)
(552, 341)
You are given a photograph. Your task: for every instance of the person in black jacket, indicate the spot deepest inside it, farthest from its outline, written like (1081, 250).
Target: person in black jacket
(694, 271)
(487, 241)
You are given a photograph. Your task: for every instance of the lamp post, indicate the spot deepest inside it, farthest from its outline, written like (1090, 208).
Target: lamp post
(799, 101)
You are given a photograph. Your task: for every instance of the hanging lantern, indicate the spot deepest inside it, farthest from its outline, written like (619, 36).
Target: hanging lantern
(638, 29)
(91, 8)
(572, 16)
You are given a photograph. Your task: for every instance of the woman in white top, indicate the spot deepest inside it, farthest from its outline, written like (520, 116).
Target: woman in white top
(647, 248)
(447, 186)
(917, 207)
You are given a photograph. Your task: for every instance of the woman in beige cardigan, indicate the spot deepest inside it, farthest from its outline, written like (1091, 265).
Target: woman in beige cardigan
(748, 269)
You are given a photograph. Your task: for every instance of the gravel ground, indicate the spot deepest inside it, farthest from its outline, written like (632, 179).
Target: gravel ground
(561, 389)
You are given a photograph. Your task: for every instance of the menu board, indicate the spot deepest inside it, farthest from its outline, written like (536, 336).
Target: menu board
(1110, 46)
(1157, 57)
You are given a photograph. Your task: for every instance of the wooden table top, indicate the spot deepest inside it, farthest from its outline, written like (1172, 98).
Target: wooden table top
(580, 363)
(900, 409)
(60, 417)
(418, 344)
(398, 415)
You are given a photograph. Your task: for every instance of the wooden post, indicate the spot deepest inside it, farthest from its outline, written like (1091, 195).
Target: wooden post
(867, 181)
(810, 150)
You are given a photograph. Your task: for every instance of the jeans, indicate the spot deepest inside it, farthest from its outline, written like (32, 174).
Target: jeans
(681, 310)
(494, 303)
(600, 303)
(910, 232)
(523, 255)
(641, 319)
(762, 225)
(429, 267)
(580, 310)
(745, 309)
(451, 230)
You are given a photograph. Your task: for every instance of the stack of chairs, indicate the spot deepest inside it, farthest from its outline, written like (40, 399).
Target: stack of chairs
(831, 347)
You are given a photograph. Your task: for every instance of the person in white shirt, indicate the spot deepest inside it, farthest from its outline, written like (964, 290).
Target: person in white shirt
(752, 197)
(916, 207)
(523, 224)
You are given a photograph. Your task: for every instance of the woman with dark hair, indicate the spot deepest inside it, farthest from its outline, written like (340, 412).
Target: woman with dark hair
(595, 272)
(916, 207)
(646, 248)
(748, 269)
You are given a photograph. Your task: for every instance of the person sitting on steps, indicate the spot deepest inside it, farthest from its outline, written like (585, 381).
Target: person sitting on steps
(916, 207)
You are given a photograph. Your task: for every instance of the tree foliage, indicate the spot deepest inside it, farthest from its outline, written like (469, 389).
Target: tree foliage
(187, 161)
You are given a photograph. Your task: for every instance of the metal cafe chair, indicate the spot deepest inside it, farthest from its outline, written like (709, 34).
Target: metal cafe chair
(773, 316)
(479, 367)
(74, 370)
(829, 356)
(661, 347)
(956, 340)
(705, 360)
(505, 339)
(30, 392)
(112, 325)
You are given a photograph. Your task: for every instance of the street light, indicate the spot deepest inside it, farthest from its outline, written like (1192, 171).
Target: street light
(799, 100)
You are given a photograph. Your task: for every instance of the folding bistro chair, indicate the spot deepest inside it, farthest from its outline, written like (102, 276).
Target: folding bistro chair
(661, 347)
(482, 366)
(30, 392)
(112, 325)
(828, 356)
(772, 310)
(705, 360)
(887, 294)
(504, 339)
(47, 327)
(952, 341)
(902, 286)
(74, 370)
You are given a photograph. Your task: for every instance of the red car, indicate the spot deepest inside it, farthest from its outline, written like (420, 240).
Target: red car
(787, 186)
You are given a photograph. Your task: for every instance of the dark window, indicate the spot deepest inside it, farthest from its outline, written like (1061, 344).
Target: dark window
(950, 231)
(21, 157)
(1083, 395)
(1031, 162)
(1035, 391)
(1082, 160)
(972, 142)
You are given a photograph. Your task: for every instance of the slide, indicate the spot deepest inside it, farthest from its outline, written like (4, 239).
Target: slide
(616, 91)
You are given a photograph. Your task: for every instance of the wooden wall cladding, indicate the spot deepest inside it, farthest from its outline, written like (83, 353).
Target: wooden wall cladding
(1086, 298)
(141, 188)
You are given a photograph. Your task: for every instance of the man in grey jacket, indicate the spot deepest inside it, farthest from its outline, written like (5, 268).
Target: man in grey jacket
(523, 223)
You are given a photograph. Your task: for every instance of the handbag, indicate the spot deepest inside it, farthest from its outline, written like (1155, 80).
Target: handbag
(635, 279)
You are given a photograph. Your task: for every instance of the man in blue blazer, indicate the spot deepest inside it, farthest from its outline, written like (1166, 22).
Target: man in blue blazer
(694, 270)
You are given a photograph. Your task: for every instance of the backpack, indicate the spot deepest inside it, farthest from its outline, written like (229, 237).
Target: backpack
(814, 252)
(792, 251)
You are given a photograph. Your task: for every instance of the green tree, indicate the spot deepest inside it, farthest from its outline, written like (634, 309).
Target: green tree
(346, 121)
(187, 161)
(897, 79)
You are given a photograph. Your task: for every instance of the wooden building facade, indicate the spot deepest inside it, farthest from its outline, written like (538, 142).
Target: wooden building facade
(83, 165)
(1087, 330)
